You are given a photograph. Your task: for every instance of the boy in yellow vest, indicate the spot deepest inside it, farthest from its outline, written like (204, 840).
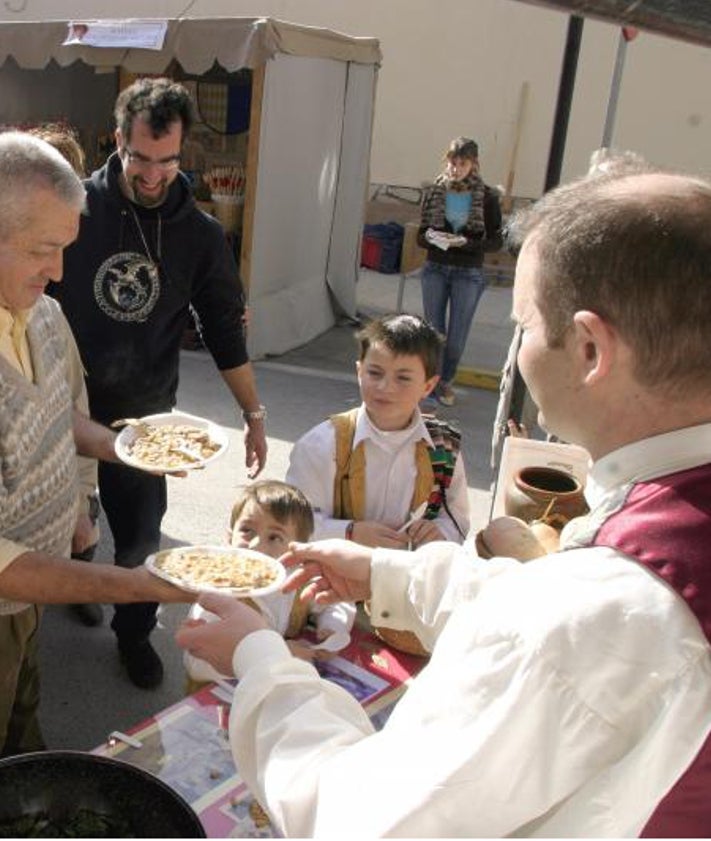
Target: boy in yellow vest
(367, 472)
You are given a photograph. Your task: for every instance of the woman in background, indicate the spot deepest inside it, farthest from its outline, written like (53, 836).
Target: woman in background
(461, 221)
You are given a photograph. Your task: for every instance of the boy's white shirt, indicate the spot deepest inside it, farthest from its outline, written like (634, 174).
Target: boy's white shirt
(390, 473)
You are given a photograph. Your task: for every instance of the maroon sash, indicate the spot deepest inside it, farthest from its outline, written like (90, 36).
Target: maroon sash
(665, 524)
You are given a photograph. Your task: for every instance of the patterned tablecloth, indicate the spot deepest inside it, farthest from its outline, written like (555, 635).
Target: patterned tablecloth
(187, 747)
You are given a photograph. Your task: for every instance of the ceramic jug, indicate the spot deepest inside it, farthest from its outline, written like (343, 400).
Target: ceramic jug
(545, 493)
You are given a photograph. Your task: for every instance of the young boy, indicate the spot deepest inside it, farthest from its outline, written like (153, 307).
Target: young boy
(367, 471)
(266, 516)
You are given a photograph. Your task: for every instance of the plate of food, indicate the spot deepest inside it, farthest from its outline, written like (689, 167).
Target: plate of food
(170, 442)
(218, 569)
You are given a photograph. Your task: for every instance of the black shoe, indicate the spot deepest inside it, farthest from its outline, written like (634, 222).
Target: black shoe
(90, 615)
(142, 664)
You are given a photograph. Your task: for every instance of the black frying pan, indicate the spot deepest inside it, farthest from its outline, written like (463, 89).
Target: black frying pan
(74, 788)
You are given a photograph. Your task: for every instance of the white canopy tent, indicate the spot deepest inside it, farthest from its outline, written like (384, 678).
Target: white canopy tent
(307, 158)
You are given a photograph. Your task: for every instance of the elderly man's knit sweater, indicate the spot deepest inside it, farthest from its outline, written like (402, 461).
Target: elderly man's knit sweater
(38, 468)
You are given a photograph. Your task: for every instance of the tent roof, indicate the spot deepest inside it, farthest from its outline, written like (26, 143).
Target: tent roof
(196, 43)
(687, 20)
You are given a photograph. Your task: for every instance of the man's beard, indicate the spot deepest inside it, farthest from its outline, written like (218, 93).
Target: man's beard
(148, 201)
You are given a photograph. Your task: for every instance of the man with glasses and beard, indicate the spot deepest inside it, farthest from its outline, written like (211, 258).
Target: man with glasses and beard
(146, 254)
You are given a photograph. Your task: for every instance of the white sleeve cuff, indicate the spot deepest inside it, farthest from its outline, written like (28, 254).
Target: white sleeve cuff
(258, 648)
(390, 573)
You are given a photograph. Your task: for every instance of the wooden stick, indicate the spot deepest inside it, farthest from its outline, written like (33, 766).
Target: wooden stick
(507, 200)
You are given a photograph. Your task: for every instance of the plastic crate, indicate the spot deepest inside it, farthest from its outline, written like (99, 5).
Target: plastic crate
(371, 250)
(381, 247)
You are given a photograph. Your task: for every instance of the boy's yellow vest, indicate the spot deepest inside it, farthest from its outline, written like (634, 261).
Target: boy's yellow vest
(435, 467)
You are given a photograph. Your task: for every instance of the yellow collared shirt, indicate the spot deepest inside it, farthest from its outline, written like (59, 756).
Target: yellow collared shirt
(13, 341)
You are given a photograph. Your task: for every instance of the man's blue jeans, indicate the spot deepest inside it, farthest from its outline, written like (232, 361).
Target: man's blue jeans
(459, 289)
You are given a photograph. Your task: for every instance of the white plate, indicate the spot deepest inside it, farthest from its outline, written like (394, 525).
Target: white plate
(254, 592)
(129, 434)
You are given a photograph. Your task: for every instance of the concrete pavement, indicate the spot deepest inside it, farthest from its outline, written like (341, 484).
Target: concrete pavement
(85, 694)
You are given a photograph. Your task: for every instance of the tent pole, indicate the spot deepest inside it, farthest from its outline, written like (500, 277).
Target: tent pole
(565, 99)
(555, 161)
(614, 91)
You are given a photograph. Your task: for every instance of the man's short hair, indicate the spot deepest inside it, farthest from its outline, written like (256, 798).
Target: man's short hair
(404, 335)
(282, 501)
(160, 102)
(636, 250)
(28, 163)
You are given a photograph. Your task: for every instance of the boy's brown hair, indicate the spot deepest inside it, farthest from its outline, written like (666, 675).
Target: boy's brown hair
(282, 501)
(404, 335)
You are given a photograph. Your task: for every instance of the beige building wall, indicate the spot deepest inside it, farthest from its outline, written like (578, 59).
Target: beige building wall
(455, 67)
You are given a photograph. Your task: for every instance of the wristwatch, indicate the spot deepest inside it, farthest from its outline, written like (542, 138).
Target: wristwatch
(258, 414)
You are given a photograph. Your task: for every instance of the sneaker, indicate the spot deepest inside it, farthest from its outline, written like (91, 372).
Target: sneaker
(90, 615)
(445, 394)
(143, 665)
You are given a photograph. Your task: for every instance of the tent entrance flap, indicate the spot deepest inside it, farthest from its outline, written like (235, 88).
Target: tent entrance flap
(308, 217)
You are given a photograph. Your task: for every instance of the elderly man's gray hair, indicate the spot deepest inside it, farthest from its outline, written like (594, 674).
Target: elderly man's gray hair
(28, 163)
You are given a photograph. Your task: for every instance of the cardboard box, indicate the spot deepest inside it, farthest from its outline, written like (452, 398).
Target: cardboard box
(413, 257)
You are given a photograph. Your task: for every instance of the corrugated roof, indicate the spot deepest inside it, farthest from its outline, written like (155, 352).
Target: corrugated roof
(688, 20)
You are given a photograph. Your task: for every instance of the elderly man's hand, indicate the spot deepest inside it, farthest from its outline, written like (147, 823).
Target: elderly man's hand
(150, 588)
(216, 641)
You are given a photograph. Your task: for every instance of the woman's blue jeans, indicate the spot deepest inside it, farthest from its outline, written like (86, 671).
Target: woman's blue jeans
(459, 289)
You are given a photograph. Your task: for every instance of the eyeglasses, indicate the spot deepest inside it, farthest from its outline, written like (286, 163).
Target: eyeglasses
(137, 159)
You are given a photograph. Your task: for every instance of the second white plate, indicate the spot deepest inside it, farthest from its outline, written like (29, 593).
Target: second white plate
(129, 434)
